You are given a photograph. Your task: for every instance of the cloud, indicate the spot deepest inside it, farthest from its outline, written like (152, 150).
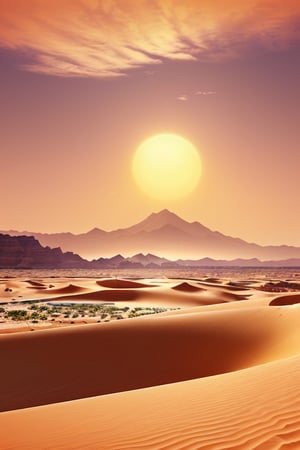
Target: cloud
(205, 93)
(186, 97)
(106, 38)
(182, 98)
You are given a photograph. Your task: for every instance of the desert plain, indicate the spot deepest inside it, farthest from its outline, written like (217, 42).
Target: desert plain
(206, 360)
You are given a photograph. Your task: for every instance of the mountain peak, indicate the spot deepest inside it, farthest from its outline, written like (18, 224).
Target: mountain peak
(158, 220)
(94, 231)
(165, 212)
(166, 215)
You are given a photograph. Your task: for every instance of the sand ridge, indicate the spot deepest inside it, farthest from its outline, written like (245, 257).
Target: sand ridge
(255, 408)
(187, 287)
(69, 289)
(64, 364)
(123, 284)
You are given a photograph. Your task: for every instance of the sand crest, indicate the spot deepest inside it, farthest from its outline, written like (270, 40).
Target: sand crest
(70, 289)
(187, 287)
(123, 284)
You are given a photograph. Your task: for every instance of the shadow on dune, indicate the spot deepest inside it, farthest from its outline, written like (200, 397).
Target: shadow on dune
(59, 365)
(104, 295)
(229, 296)
(186, 287)
(123, 284)
(71, 289)
(286, 300)
(36, 284)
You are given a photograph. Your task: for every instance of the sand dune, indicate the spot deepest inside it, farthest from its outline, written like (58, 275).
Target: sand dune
(187, 287)
(234, 297)
(65, 364)
(256, 408)
(239, 285)
(123, 284)
(70, 289)
(36, 284)
(213, 280)
(165, 297)
(147, 292)
(10, 284)
(234, 365)
(230, 287)
(285, 300)
(37, 288)
(106, 295)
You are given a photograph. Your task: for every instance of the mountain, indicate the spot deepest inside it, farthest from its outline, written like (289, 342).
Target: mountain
(25, 252)
(148, 259)
(166, 235)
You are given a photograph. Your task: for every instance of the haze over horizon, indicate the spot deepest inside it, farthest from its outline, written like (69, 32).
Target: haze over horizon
(161, 213)
(78, 96)
(163, 234)
(168, 214)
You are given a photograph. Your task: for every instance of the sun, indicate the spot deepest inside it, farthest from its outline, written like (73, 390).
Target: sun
(167, 167)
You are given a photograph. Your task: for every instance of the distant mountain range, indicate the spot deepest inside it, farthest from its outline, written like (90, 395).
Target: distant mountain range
(25, 252)
(164, 234)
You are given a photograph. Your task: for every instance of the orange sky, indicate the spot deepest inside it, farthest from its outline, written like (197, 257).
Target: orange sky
(108, 37)
(83, 82)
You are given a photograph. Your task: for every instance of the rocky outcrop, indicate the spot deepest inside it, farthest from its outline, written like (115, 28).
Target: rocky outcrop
(25, 252)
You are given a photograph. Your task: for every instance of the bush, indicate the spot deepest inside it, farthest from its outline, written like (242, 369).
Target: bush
(34, 315)
(17, 314)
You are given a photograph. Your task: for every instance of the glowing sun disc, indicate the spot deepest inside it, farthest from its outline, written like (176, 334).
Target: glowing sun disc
(166, 167)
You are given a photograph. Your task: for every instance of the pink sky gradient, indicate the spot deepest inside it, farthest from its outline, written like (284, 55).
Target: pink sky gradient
(84, 82)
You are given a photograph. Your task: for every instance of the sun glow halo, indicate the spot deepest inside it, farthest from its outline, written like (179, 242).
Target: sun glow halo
(166, 167)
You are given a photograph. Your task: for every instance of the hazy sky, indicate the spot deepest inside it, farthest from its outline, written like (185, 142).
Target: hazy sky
(84, 82)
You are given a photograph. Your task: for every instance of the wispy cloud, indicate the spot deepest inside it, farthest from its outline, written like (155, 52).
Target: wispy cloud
(186, 97)
(205, 93)
(104, 38)
(182, 98)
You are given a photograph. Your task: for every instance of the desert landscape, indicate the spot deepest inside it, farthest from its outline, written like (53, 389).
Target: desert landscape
(149, 225)
(210, 361)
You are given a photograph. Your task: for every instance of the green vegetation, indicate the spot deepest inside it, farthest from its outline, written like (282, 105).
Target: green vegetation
(37, 311)
(17, 314)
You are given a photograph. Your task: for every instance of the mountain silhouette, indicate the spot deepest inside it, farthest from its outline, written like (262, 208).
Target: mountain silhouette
(25, 252)
(163, 234)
